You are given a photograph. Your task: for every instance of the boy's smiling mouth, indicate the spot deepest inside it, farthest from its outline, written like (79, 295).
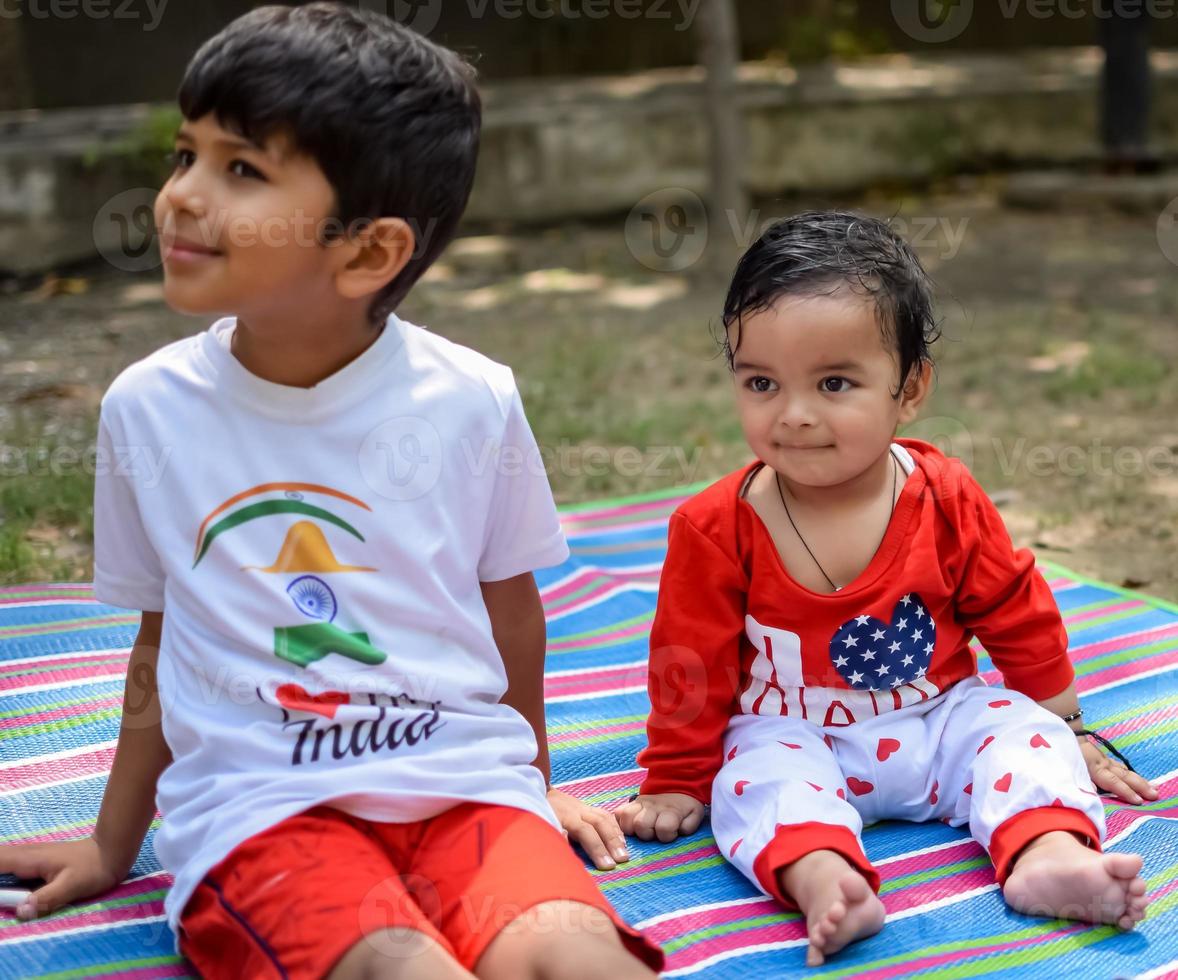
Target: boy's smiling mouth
(179, 249)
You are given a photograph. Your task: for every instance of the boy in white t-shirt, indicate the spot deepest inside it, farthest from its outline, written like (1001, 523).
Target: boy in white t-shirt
(336, 693)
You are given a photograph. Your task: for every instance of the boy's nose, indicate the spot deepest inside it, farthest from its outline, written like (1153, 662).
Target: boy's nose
(183, 193)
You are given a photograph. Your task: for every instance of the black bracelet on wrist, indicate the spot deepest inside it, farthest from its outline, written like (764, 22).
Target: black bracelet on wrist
(1078, 714)
(1108, 745)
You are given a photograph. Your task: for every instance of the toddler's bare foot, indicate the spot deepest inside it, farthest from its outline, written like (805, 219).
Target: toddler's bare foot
(1057, 876)
(839, 905)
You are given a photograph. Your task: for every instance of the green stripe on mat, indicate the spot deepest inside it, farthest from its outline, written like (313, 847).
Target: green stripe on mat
(1059, 569)
(120, 966)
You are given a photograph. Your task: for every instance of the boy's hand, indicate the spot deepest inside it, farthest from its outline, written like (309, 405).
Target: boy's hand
(1114, 777)
(594, 829)
(71, 869)
(662, 815)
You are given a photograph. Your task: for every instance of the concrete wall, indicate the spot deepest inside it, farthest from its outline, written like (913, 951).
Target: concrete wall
(596, 147)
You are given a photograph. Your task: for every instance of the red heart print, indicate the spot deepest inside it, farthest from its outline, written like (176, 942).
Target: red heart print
(933, 799)
(1002, 784)
(840, 794)
(988, 740)
(740, 785)
(732, 851)
(789, 745)
(296, 698)
(732, 754)
(969, 789)
(860, 787)
(1039, 742)
(999, 704)
(815, 785)
(886, 747)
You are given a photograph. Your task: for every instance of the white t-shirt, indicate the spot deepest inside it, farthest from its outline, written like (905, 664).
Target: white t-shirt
(317, 553)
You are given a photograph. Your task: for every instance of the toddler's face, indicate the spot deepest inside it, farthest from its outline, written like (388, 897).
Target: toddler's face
(814, 381)
(239, 224)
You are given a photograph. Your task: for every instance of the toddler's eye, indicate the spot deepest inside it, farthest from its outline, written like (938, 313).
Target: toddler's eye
(760, 384)
(181, 158)
(835, 385)
(242, 169)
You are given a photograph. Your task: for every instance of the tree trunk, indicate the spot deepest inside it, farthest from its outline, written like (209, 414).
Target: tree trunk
(718, 42)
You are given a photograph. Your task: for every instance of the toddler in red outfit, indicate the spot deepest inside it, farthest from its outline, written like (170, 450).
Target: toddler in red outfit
(810, 666)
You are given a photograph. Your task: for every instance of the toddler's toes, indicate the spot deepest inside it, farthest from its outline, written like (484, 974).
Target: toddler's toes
(1120, 865)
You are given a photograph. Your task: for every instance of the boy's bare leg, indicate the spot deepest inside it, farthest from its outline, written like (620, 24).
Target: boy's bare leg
(1057, 876)
(398, 954)
(560, 941)
(836, 900)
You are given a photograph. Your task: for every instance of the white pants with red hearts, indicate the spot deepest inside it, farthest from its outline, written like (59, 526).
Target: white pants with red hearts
(975, 754)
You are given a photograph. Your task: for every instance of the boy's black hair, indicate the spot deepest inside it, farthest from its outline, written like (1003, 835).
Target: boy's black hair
(391, 118)
(821, 252)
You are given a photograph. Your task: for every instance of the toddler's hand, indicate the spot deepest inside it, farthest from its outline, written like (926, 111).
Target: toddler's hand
(1114, 777)
(662, 815)
(594, 829)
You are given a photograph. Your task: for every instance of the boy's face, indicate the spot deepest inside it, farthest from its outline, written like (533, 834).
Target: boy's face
(814, 381)
(239, 225)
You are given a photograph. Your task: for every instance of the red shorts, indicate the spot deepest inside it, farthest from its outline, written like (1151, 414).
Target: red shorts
(290, 901)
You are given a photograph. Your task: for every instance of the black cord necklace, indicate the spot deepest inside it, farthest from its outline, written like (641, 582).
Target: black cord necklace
(781, 494)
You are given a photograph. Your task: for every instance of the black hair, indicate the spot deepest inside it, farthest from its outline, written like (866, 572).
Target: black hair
(391, 118)
(822, 252)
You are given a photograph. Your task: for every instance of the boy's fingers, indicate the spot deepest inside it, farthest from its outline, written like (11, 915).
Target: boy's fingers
(47, 898)
(594, 846)
(611, 835)
(624, 815)
(24, 862)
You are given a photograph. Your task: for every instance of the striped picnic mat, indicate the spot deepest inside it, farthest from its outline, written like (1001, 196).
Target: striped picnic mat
(62, 658)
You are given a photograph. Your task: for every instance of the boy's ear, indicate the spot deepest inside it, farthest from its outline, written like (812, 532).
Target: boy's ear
(373, 256)
(916, 389)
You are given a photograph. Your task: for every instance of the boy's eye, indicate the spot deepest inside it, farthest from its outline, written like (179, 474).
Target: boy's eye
(760, 384)
(834, 385)
(181, 158)
(242, 169)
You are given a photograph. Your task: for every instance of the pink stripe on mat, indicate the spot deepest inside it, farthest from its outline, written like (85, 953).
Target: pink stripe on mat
(32, 774)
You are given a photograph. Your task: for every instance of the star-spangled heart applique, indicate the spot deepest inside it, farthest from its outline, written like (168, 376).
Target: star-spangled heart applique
(871, 655)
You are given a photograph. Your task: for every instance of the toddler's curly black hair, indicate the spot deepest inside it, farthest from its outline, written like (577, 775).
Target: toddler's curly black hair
(822, 252)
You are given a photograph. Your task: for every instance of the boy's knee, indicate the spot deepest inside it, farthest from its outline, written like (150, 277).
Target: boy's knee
(560, 940)
(398, 953)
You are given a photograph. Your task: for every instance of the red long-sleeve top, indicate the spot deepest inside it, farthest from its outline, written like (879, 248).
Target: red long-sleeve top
(734, 633)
